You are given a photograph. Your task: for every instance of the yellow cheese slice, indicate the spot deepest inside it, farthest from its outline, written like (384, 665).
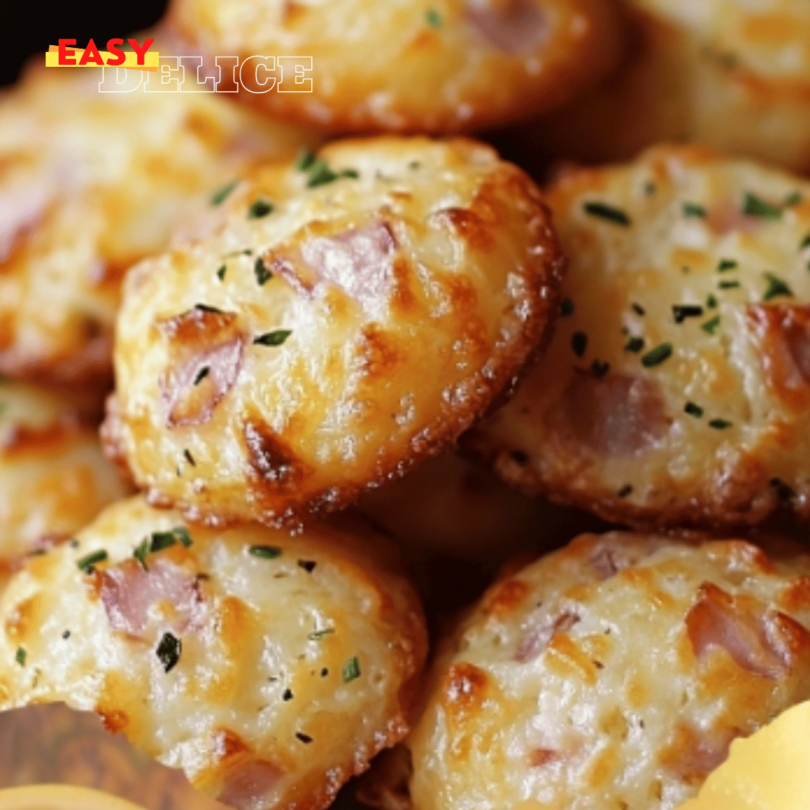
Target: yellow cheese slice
(60, 797)
(769, 770)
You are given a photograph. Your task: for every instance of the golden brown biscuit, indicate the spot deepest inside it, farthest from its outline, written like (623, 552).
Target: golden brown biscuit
(91, 182)
(338, 324)
(269, 667)
(677, 387)
(440, 66)
(613, 673)
(733, 75)
(54, 478)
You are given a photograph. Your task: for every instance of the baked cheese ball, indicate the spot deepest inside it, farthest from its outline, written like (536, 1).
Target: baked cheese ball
(441, 66)
(268, 667)
(676, 390)
(54, 477)
(613, 673)
(733, 75)
(338, 321)
(91, 182)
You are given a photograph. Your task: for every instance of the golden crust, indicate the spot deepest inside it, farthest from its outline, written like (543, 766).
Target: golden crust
(285, 362)
(447, 66)
(618, 439)
(269, 667)
(54, 478)
(731, 75)
(614, 672)
(91, 182)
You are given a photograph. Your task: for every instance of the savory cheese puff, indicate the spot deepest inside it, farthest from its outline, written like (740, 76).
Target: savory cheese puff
(91, 182)
(733, 75)
(268, 667)
(677, 387)
(613, 673)
(341, 320)
(54, 478)
(401, 65)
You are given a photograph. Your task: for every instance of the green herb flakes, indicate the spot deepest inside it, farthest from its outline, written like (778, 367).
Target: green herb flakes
(753, 206)
(776, 287)
(264, 552)
(656, 356)
(711, 301)
(626, 490)
(680, 312)
(638, 309)
(21, 656)
(319, 634)
(692, 210)
(305, 161)
(579, 343)
(711, 326)
(433, 18)
(259, 209)
(221, 272)
(168, 651)
(87, 563)
(263, 275)
(727, 264)
(566, 308)
(599, 368)
(219, 197)
(720, 424)
(728, 284)
(276, 338)
(351, 670)
(201, 375)
(693, 410)
(607, 212)
(634, 345)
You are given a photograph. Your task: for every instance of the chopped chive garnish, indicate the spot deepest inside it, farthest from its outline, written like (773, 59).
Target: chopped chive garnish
(720, 424)
(711, 301)
(140, 551)
(21, 656)
(207, 308)
(201, 375)
(164, 540)
(263, 275)
(710, 327)
(308, 565)
(776, 287)
(351, 670)
(656, 356)
(320, 174)
(607, 212)
(221, 272)
(189, 457)
(319, 634)
(599, 368)
(693, 410)
(683, 311)
(86, 563)
(728, 284)
(273, 338)
(265, 552)
(305, 160)
(625, 491)
(635, 345)
(638, 309)
(753, 206)
(433, 18)
(579, 343)
(305, 738)
(168, 651)
(805, 243)
(66, 635)
(726, 264)
(692, 210)
(259, 209)
(566, 308)
(649, 188)
(288, 695)
(220, 195)
(794, 198)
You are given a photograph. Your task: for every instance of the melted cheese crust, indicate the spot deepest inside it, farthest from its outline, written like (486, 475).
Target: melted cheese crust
(358, 327)
(612, 673)
(288, 672)
(54, 478)
(90, 183)
(715, 433)
(402, 65)
(728, 74)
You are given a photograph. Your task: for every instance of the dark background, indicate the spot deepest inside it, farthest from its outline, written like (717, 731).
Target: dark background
(29, 27)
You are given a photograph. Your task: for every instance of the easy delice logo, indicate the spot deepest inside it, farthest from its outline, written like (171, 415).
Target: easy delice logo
(125, 71)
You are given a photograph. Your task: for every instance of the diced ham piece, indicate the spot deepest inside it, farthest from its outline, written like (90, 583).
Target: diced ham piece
(205, 351)
(511, 26)
(539, 637)
(129, 593)
(717, 619)
(246, 786)
(782, 333)
(616, 415)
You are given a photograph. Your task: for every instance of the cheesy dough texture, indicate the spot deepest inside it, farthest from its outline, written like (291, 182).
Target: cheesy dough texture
(677, 387)
(331, 326)
(54, 478)
(90, 183)
(613, 673)
(269, 667)
(732, 75)
(401, 65)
